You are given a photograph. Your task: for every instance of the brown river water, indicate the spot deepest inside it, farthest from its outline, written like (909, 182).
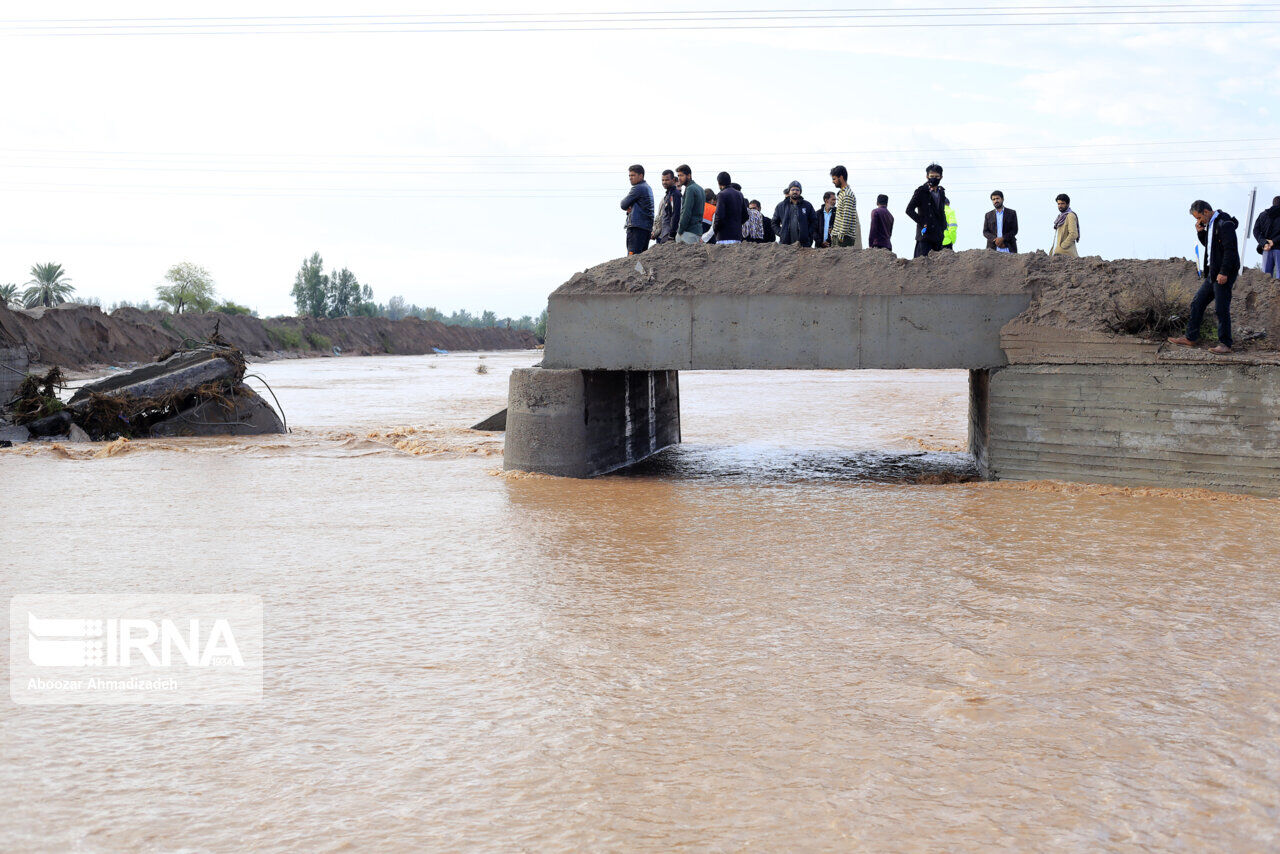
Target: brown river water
(774, 638)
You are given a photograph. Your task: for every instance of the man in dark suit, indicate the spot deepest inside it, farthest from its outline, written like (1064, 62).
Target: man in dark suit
(1001, 225)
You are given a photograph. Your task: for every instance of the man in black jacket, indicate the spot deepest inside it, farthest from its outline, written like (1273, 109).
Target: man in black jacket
(664, 226)
(1220, 265)
(1266, 230)
(794, 219)
(928, 209)
(731, 212)
(1001, 225)
(826, 217)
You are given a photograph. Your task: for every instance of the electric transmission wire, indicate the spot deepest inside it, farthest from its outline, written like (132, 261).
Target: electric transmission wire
(1137, 14)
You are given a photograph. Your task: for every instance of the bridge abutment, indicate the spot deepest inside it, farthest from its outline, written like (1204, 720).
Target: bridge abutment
(1212, 426)
(583, 423)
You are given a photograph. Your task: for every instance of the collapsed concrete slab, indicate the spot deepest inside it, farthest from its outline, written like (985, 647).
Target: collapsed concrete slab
(242, 413)
(194, 392)
(184, 369)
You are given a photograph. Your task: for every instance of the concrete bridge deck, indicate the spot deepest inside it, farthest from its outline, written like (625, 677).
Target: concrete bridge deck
(1047, 400)
(766, 306)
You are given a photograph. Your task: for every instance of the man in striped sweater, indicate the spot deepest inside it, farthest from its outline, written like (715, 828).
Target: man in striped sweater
(845, 229)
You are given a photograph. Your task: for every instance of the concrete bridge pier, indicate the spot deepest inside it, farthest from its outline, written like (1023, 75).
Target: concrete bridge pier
(583, 423)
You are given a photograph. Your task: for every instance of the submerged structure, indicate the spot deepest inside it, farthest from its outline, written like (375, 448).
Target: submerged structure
(198, 391)
(1068, 375)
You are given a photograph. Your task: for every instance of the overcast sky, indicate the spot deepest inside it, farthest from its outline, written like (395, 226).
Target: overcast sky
(479, 170)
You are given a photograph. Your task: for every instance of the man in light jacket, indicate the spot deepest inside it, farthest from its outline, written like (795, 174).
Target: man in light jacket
(638, 203)
(1066, 229)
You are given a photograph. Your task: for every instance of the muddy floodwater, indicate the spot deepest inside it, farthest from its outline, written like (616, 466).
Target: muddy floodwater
(794, 632)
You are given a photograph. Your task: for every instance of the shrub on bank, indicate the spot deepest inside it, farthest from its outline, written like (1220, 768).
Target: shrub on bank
(319, 342)
(285, 337)
(1151, 310)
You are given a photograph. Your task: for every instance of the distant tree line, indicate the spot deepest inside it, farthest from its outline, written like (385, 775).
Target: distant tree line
(320, 294)
(190, 287)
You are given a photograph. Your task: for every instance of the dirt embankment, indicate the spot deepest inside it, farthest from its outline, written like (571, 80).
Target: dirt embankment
(1076, 294)
(749, 269)
(76, 336)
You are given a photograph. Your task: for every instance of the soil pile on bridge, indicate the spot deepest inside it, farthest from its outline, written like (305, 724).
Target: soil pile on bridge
(1081, 294)
(748, 269)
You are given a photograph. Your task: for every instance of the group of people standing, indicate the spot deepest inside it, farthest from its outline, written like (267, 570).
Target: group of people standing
(690, 214)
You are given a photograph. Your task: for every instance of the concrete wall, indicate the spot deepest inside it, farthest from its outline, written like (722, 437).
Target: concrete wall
(576, 423)
(689, 332)
(1210, 426)
(13, 367)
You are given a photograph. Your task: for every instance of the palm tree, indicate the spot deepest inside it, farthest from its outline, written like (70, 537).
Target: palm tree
(8, 295)
(47, 286)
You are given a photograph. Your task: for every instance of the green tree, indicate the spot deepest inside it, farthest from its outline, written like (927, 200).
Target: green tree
(366, 307)
(540, 328)
(311, 287)
(48, 286)
(428, 313)
(462, 317)
(190, 288)
(488, 318)
(9, 295)
(396, 308)
(229, 307)
(344, 293)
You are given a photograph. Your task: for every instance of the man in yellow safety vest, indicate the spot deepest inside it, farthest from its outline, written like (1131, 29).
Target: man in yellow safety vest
(949, 236)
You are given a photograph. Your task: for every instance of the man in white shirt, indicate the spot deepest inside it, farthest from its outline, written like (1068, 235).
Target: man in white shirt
(1000, 226)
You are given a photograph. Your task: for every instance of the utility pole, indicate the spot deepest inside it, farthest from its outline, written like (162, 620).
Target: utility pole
(1248, 226)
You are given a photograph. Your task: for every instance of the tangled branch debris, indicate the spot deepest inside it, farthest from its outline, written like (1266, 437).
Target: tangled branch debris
(1151, 310)
(198, 390)
(37, 397)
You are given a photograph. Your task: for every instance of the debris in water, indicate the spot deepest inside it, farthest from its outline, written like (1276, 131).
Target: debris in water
(496, 421)
(37, 397)
(197, 391)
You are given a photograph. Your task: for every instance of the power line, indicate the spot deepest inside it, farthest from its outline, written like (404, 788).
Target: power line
(929, 17)
(874, 168)
(939, 151)
(484, 194)
(604, 13)
(941, 12)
